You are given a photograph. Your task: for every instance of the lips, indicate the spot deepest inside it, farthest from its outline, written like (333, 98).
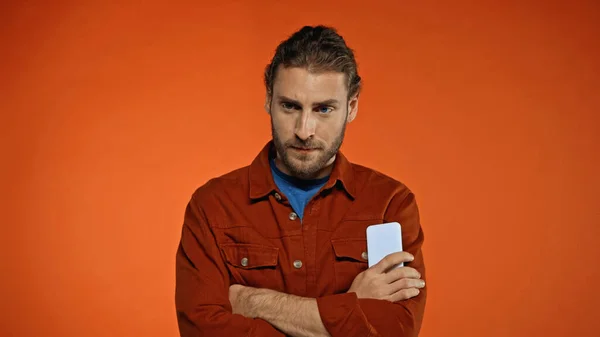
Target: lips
(304, 148)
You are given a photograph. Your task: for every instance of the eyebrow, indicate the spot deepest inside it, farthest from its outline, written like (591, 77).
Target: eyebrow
(331, 101)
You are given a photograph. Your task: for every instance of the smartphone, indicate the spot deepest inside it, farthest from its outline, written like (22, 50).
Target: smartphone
(382, 240)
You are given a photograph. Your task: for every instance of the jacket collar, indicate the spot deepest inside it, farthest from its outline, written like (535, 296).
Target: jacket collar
(262, 183)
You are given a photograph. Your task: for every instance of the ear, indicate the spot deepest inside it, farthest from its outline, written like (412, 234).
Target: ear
(352, 108)
(268, 104)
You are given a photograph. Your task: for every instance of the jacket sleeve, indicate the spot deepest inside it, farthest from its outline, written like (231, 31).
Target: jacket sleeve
(347, 315)
(202, 285)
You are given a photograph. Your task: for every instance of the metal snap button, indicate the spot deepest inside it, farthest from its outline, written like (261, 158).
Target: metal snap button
(297, 264)
(293, 216)
(244, 262)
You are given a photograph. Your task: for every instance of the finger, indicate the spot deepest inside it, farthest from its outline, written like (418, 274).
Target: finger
(405, 283)
(400, 273)
(403, 294)
(392, 260)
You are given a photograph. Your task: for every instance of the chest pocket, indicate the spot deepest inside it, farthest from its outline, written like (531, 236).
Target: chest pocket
(350, 260)
(253, 265)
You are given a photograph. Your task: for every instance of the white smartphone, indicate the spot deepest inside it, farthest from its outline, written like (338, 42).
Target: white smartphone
(382, 240)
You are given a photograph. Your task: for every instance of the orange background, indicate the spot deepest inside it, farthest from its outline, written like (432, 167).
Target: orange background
(112, 115)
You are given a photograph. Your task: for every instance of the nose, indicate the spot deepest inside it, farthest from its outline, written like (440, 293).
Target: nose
(305, 125)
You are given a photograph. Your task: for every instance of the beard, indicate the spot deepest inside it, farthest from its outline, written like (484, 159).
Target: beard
(306, 166)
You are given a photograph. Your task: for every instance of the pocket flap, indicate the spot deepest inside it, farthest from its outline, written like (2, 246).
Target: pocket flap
(354, 249)
(248, 256)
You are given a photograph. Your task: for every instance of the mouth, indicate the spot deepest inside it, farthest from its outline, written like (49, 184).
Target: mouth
(303, 149)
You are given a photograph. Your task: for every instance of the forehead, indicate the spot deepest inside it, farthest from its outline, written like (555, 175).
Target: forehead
(302, 85)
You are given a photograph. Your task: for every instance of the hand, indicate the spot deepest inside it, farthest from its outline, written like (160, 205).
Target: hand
(238, 297)
(384, 283)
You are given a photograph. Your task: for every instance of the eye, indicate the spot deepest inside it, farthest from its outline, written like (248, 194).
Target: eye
(288, 106)
(324, 109)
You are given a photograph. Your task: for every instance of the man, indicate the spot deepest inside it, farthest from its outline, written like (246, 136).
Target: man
(279, 247)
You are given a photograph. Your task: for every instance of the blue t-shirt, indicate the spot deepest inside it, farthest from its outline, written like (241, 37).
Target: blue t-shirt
(298, 191)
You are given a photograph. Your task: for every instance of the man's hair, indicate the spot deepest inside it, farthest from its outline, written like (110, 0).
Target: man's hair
(318, 49)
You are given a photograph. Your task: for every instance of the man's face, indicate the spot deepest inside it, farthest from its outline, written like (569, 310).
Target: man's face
(309, 112)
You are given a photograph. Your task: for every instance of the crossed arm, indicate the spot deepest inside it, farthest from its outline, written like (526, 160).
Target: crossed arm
(293, 315)
(380, 302)
(299, 316)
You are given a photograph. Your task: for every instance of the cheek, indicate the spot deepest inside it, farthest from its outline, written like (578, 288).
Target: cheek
(283, 126)
(329, 131)
(312, 124)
